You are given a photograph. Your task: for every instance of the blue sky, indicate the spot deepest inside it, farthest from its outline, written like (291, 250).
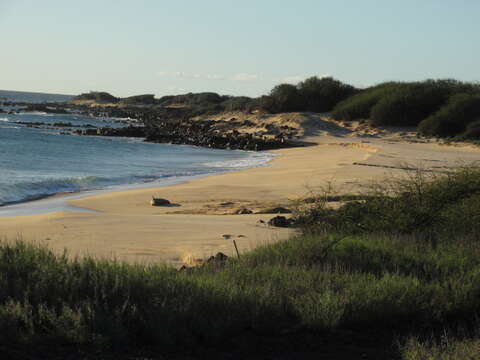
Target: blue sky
(231, 47)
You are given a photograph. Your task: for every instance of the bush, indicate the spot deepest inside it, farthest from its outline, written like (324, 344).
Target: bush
(358, 106)
(285, 98)
(444, 204)
(453, 118)
(99, 97)
(208, 109)
(238, 103)
(313, 94)
(264, 103)
(472, 131)
(147, 99)
(192, 99)
(409, 103)
(321, 95)
(401, 104)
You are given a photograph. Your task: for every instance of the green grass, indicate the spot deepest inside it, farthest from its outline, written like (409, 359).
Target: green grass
(362, 281)
(445, 349)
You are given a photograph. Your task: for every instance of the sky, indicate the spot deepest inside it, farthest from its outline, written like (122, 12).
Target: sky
(229, 46)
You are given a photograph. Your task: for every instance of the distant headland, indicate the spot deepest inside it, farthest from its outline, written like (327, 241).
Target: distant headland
(443, 108)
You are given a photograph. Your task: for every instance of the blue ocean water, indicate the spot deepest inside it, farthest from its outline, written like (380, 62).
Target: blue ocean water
(32, 97)
(39, 161)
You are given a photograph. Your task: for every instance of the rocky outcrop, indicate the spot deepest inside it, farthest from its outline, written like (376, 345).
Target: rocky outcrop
(280, 221)
(173, 125)
(129, 131)
(97, 97)
(208, 134)
(243, 211)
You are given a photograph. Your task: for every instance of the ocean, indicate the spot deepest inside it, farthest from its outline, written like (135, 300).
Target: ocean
(38, 161)
(32, 97)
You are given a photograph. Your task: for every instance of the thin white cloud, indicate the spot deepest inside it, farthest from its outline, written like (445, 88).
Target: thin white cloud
(177, 90)
(179, 75)
(244, 77)
(184, 75)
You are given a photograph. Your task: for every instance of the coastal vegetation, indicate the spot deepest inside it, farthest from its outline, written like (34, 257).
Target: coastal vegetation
(147, 99)
(442, 108)
(393, 273)
(98, 97)
(437, 108)
(313, 94)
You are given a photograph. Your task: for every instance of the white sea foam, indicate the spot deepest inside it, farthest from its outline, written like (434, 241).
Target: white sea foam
(37, 113)
(254, 160)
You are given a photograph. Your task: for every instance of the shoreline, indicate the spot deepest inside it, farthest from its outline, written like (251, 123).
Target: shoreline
(60, 199)
(125, 226)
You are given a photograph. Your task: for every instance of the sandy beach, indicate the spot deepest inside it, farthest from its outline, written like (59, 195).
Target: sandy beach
(125, 225)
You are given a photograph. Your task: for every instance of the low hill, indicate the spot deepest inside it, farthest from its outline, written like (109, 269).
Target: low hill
(95, 97)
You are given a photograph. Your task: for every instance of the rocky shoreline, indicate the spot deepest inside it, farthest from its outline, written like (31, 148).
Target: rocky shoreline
(168, 125)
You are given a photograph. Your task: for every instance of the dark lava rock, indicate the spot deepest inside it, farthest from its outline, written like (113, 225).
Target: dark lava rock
(129, 131)
(218, 259)
(159, 202)
(88, 131)
(221, 257)
(45, 108)
(243, 211)
(280, 221)
(228, 203)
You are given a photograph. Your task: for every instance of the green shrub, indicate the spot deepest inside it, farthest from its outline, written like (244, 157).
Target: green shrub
(147, 99)
(321, 95)
(359, 106)
(410, 103)
(285, 98)
(472, 131)
(192, 99)
(99, 97)
(453, 118)
(401, 104)
(238, 103)
(421, 203)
